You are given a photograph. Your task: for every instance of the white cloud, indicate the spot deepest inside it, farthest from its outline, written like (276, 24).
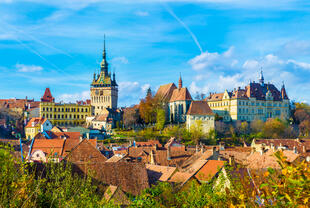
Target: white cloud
(28, 68)
(142, 13)
(216, 72)
(121, 59)
(74, 97)
(131, 92)
(214, 61)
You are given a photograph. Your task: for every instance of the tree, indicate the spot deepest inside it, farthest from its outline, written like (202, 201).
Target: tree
(304, 128)
(257, 126)
(274, 128)
(131, 117)
(197, 131)
(301, 115)
(160, 118)
(200, 96)
(244, 128)
(149, 106)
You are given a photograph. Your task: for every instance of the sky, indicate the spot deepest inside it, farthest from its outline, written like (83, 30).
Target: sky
(214, 44)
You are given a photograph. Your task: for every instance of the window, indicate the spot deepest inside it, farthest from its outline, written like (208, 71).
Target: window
(82, 110)
(51, 109)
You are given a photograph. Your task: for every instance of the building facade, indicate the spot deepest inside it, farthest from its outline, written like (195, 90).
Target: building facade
(104, 89)
(36, 125)
(199, 113)
(177, 100)
(257, 101)
(64, 114)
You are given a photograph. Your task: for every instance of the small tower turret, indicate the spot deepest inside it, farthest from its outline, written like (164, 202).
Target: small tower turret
(261, 80)
(180, 82)
(283, 93)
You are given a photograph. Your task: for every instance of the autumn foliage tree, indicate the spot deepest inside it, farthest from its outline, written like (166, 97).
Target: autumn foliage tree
(274, 128)
(149, 107)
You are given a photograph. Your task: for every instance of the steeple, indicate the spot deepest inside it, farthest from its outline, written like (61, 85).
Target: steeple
(180, 82)
(261, 80)
(104, 64)
(283, 92)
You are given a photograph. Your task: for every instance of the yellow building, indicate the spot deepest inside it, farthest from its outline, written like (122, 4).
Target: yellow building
(36, 125)
(68, 114)
(257, 101)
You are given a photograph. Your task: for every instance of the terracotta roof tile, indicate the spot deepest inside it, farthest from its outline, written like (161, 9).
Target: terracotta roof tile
(199, 108)
(47, 97)
(180, 95)
(159, 173)
(165, 91)
(209, 170)
(34, 122)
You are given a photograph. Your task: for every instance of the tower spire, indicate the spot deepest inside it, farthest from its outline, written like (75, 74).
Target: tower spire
(180, 81)
(261, 80)
(104, 63)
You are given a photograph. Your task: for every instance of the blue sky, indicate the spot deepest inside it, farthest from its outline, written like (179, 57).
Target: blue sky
(214, 44)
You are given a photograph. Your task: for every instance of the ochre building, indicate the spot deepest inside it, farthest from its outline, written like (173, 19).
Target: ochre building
(257, 101)
(64, 114)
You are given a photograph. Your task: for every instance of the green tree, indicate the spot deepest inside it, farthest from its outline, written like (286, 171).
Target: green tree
(160, 119)
(197, 131)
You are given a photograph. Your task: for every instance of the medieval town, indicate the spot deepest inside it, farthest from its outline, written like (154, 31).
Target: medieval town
(247, 146)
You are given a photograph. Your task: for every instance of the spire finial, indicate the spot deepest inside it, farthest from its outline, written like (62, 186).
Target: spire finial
(104, 42)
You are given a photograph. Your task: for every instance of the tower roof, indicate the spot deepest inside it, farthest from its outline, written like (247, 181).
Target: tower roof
(104, 77)
(47, 97)
(180, 82)
(283, 92)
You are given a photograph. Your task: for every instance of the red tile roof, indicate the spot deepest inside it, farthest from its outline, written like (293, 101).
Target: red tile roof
(165, 91)
(35, 121)
(47, 97)
(199, 108)
(180, 95)
(209, 170)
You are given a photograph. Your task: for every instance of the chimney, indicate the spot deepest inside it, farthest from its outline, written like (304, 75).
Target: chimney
(272, 147)
(261, 151)
(81, 138)
(213, 150)
(202, 149)
(231, 160)
(295, 149)
(304, 149)
(196, 148)
(221, 146)
(168, 153)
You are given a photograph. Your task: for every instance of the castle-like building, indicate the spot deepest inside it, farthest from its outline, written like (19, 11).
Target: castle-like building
(100, 110)
(257, 101)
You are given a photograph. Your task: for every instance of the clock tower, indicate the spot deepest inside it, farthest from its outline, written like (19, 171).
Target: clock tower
(104, 89)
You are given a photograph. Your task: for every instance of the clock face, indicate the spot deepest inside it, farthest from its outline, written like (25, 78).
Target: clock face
(97, 92)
